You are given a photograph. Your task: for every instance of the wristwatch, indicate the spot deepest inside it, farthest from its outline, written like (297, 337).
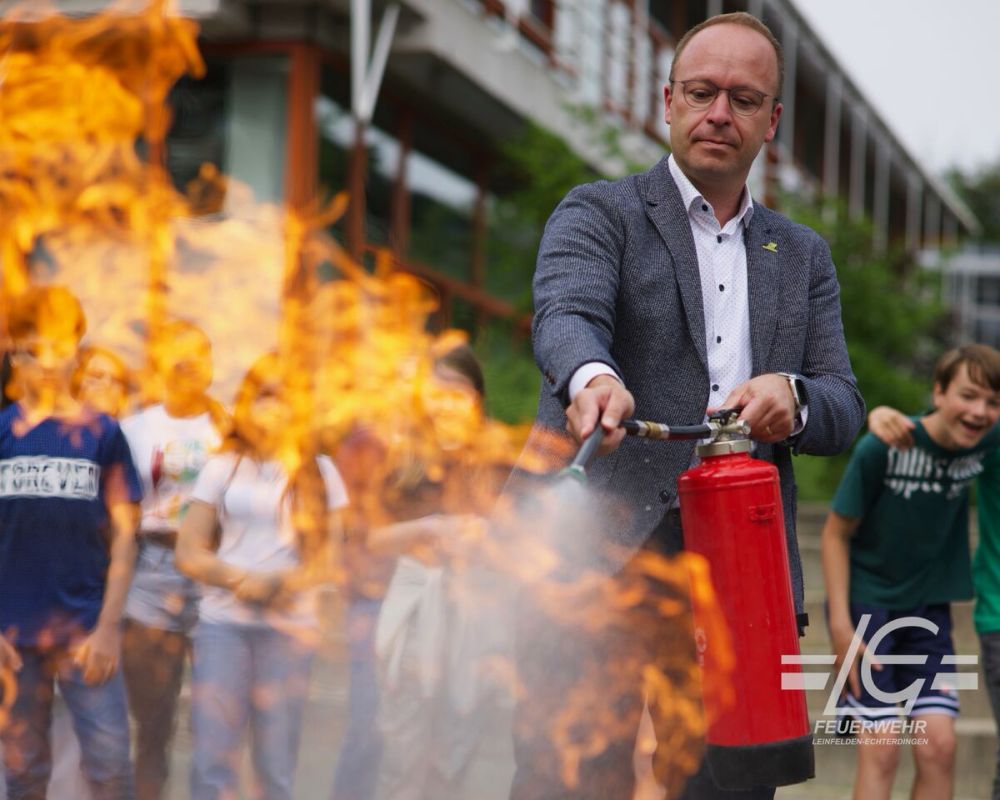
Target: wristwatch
(798, 387)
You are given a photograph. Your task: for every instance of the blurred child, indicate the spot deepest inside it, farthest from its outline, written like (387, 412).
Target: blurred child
(68, 511)
(278, 508)
(431, 639)
(170, 443)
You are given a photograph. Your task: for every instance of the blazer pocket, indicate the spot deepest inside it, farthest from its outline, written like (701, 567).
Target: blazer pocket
(795, 324)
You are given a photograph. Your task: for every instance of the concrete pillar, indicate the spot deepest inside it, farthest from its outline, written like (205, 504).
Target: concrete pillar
(642, 65)
(880, 212)
(831, 136)
(914, 204)
(619, 45)
(949, 230)
(859, 147)
(786, 128)
(566, 33)
(932, 221)
(590, 48)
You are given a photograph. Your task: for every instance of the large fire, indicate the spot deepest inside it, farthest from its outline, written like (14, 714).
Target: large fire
(85, 201)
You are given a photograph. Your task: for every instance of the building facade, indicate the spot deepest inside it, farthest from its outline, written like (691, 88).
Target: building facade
(465, 76)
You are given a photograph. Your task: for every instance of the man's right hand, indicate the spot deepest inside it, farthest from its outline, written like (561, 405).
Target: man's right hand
(604, 399)
(891, 426)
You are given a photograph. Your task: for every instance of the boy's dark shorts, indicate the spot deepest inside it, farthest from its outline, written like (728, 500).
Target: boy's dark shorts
(937, 695)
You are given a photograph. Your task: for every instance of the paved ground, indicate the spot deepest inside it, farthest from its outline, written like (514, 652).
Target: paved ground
(490, 776)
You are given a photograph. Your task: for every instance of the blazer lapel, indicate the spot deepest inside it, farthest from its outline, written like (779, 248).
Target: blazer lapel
(666, 211)
(763, 287)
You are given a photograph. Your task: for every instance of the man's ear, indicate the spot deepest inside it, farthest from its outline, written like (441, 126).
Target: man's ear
(667, 99)
(772, 127)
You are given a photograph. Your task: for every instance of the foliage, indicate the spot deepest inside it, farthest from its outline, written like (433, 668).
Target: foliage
(541, 169)
(894, 324)
(981, 191)
(512, 379)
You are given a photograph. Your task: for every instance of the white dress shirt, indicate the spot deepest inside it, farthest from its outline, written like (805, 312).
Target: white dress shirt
(722, 262)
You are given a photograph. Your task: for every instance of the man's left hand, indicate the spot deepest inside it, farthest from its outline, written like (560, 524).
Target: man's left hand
(768, 406)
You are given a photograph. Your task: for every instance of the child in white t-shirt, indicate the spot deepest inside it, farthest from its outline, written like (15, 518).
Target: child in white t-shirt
(258, 627)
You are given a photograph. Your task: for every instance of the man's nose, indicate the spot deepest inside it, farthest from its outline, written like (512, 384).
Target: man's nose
(719, 113)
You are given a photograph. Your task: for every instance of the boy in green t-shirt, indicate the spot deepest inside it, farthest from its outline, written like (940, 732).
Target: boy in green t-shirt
(896, 430)
(895, 554)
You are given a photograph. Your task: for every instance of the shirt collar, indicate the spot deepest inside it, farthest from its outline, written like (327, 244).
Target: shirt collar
(693, 200)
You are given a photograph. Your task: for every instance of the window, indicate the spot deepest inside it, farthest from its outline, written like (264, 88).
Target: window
(235, 120)
(988, 290)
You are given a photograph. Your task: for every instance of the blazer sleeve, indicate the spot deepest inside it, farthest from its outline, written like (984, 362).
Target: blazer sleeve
(836, 408)
(576, 286)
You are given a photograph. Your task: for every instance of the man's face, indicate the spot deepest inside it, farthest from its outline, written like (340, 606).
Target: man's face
(714, 146)
(967, 410)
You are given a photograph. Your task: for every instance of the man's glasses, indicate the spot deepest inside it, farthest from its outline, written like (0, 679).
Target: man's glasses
(742, 99)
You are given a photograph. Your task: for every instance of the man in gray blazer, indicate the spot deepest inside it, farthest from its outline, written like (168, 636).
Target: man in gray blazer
(671, 292)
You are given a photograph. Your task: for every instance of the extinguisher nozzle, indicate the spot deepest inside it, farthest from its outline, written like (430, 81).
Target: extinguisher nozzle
(574, 471)
(578, 466)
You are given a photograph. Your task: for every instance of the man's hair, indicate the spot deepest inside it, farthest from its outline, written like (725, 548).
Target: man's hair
(736, 18)
(982, 362)
(49, 311)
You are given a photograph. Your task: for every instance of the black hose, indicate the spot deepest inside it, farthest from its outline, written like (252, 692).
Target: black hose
(657, 430)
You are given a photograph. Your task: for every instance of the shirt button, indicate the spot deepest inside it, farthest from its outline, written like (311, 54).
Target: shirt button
(722, 287)
(715, 387)
(665, 496)
(704, 207)
(718, 340)
(718, 239)
(645, 461)
(649, 508)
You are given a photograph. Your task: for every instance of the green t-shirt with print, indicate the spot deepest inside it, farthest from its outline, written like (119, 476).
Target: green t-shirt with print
(986, 565)
(911, 546)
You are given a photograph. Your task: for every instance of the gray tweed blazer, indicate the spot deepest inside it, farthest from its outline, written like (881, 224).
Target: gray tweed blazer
(617, 281)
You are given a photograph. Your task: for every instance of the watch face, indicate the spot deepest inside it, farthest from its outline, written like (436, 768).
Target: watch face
(797, 387)
(799, 390)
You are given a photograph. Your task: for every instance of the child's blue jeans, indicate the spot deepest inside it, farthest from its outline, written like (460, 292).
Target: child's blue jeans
(100, 720)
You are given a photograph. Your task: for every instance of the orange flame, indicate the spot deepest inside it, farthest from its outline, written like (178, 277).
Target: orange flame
(79, 206)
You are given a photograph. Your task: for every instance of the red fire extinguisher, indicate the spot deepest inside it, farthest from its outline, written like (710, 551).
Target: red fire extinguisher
(731, 514)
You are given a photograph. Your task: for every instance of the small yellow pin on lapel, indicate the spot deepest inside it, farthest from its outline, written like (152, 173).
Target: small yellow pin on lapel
(771, 247)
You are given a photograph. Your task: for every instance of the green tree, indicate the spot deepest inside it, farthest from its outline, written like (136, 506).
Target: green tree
(539, 170)
(894, 324)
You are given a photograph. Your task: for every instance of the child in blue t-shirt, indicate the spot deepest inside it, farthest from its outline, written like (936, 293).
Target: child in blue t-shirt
(895, 555)
(68, 513)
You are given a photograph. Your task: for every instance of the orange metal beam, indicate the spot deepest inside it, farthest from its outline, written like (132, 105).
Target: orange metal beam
(302, 142)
